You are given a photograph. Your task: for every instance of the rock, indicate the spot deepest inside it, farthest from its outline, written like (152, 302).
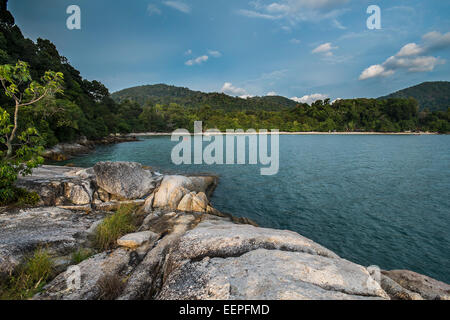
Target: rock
(65, 151)
(59, 231)
(57, 185)
(134, 240)
(91, 271)
(428, 288)
(222, 260)
(193, 202)
(174, 188)
(84, 208)
(146, 280)
(397, 292)
(103, 195)
(199, 202)
(115, 205)
(270, 274)
(78, 194)
(148, 205)
(126, 180)
(186, 203)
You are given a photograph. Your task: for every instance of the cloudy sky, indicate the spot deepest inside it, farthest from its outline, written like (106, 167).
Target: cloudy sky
(301, 49)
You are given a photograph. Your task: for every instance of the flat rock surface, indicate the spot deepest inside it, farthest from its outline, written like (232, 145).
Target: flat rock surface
(58, 230)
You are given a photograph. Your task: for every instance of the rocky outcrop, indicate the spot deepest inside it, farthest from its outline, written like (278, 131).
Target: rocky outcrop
(183, 248)
(207, 257)
(66, 151)
(125, 180)
(426, 287)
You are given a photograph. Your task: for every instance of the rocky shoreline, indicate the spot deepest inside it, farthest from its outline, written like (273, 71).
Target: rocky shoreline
(183, 248)
(66, 151)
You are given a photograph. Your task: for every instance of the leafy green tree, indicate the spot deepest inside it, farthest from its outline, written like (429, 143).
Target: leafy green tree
(20, 150)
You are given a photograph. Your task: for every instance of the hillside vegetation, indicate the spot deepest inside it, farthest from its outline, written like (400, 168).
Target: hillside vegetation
(164, 94)
(434, 96)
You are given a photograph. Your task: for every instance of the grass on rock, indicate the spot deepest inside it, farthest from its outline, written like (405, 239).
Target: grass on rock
(82, 254)
(28, 278)
(125, 220)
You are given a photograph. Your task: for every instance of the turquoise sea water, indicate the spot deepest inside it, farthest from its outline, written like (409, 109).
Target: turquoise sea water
(373, 199)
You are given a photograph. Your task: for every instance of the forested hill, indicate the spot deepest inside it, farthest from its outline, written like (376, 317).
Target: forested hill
(433, 96)
(165, 94)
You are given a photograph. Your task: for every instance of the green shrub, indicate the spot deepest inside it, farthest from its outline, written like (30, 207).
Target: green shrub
(81, 254)
(28, 278)
(18, 197)
(27, 199)
(115, 226)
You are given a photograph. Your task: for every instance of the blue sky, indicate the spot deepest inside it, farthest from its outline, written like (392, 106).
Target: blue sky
(294, 48)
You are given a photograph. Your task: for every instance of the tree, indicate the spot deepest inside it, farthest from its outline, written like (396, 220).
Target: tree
(20, 150)
(17, 83)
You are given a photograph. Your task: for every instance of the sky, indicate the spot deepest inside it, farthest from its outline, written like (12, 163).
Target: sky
(300, 49)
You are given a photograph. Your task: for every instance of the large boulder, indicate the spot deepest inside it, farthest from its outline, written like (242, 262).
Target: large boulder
(174, 188)
(222, 260)
(125, 180)
(428, 288)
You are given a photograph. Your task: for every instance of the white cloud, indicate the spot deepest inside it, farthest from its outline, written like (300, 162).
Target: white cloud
(188, 52)
(153, 9)
(198, 60)
(231, 90)
(178, 5)
(411, 57)
(435, 40)
(309, 99)
(214, 53)
(339, 25)
(411, 49)
(254, 14)
(295, 10)
(376, 70)
(325, 48)
(271, 94)
(295, 41)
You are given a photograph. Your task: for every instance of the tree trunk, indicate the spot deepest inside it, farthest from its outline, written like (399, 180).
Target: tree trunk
(13, 133)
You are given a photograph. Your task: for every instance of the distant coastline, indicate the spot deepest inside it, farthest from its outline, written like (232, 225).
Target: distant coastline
(143, 134)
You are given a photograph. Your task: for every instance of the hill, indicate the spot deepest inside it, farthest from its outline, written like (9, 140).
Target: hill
(434, 96)
(165, 94)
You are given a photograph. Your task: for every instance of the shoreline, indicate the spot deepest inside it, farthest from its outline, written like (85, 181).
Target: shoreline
(150, 134)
